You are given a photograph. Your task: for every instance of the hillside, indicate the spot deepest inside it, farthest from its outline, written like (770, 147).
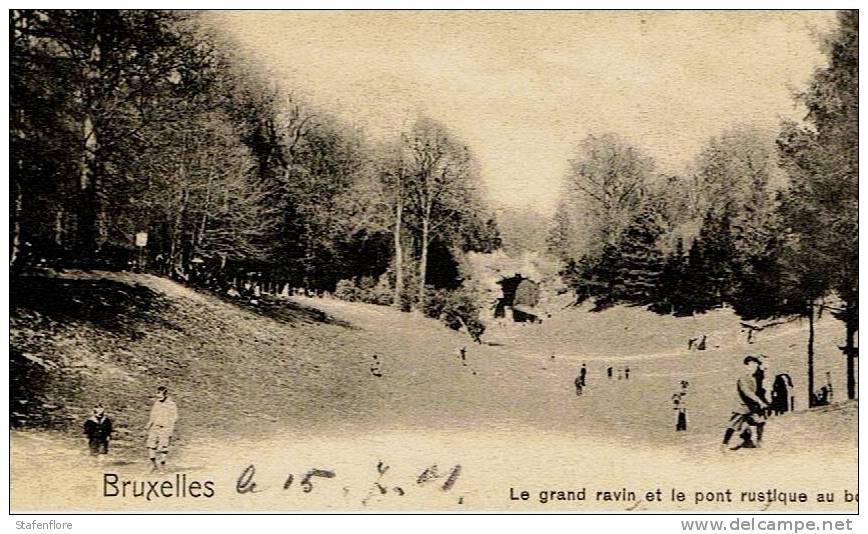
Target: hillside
(288, 382)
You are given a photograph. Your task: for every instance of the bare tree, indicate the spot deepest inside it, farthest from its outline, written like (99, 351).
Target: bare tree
(441, 182)
(606, 184)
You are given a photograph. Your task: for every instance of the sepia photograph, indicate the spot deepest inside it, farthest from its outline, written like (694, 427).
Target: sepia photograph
(451, 261)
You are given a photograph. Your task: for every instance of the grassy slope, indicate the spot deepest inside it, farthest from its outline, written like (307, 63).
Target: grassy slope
(112, 340)
(252, 373)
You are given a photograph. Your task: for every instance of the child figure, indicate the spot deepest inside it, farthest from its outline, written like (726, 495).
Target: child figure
(98, 429)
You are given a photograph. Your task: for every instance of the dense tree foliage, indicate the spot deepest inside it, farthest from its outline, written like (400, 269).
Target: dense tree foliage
(820, 210)
(130, 122)
(770, 230)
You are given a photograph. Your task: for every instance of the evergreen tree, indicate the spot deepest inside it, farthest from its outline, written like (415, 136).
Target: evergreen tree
(673, 293)
(638, 262)
(761, 285)
(710, 265)
(626, 272)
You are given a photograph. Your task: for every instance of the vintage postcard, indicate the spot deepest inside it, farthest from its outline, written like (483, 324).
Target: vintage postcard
(434, 261)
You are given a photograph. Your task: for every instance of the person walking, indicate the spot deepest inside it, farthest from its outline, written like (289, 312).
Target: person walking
(580, 380)
(161, 426)
(679, 402)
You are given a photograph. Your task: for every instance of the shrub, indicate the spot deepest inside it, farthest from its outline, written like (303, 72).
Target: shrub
(375, 291)
(456, 309)
(346, 290)
(367, 289)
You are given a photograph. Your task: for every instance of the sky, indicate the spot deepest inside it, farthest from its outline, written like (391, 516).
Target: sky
(522, 89)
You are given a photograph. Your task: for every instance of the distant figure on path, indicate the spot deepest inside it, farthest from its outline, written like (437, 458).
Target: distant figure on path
(679, 404)
(98, 429)
(750, 412)
(701, 345)
(782, 399)
(161, 426)
(375, 367)
(476, 329)
(626, 373)
(580, 379)
(463, 355)
(609, 372)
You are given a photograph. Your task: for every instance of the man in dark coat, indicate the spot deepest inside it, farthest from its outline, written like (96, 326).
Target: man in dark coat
(750, 413)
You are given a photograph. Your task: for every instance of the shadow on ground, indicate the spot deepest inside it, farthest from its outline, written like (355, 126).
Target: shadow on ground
(284, 310)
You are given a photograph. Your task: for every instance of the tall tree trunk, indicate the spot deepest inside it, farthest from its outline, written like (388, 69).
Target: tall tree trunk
(175, 245)
(423, 260)
(88, 220)
(811, 402)
(92, 225)
(203, 222)
(58, 226)
(399, 250)
(15, 251)
(851, 324)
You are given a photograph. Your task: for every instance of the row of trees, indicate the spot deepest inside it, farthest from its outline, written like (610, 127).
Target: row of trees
(622, 228)
(120, 122)
(766, 224)
(142, 121)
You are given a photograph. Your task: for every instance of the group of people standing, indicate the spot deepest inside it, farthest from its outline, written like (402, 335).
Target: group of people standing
(748, 416)
(581, 379)
(622, 373)
(754, 407)
(98, 428)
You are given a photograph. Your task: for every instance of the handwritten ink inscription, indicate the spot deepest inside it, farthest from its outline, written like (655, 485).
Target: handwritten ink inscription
(380, 487)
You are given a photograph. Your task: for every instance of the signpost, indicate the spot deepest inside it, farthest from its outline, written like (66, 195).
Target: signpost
(141, 243)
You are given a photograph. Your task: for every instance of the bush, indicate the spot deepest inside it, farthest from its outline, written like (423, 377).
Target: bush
(367, 289)
(346, 290)
(375, 291)
(456, 309)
